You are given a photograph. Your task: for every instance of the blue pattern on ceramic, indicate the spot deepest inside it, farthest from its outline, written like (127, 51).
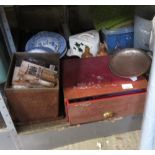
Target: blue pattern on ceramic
(48, 41)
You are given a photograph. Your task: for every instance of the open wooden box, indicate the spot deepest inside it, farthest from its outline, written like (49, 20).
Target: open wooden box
(33, 104)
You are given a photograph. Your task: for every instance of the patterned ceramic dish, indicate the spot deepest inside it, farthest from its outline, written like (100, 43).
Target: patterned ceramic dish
(47, 42)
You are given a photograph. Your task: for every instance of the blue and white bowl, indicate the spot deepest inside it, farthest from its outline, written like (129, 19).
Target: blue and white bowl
(49, 42)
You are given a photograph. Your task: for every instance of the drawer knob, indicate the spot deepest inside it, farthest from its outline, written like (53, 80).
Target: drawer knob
(108, 114)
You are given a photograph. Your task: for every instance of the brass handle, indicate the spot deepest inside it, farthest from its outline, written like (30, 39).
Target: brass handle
(108, 114)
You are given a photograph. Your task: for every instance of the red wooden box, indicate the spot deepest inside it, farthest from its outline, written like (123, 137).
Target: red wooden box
(93, 93)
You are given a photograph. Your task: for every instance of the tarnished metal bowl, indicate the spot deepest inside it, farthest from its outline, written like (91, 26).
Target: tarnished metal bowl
(129, 62)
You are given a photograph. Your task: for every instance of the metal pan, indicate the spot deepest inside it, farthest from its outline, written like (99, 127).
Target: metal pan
(129, 62)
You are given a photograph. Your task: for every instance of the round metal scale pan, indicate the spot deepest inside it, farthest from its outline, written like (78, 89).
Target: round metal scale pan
(129, 62)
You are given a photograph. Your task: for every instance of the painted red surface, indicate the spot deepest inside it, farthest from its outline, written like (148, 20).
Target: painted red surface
(93, 110)
(91, 77)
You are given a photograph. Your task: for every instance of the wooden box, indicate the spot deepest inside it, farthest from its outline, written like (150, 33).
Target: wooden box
(33, 104)
(93, 93)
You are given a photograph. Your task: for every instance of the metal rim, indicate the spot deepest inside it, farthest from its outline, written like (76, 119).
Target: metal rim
(121, 51)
